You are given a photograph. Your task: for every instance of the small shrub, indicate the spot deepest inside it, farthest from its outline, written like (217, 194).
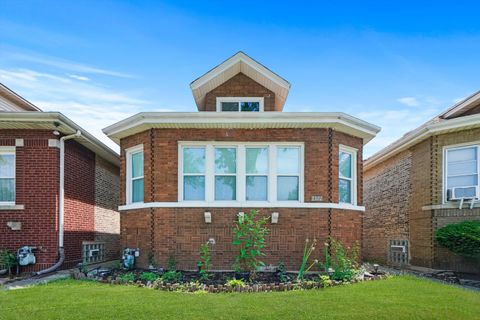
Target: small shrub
(461, 238)
(249, 236)
(8, 259)
(172, 264)
(236, 283)
(342, 261)
(281, 272)
(325, 281)
(204, 263)
(148, 276)
(172, 277)
(127, 277)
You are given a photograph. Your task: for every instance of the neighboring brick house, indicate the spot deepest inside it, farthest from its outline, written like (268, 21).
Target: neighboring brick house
(240, 152)
(409, 190)
(30, 186)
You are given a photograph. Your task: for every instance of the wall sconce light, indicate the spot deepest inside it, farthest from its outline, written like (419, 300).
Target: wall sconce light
(274, 217)
(208, 217)
(241, 217)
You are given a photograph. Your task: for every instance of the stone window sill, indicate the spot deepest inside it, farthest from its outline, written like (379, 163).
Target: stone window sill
(450, 205)
(12, 207)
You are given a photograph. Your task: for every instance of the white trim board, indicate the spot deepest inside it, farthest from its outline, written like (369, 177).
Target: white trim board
(202, 204)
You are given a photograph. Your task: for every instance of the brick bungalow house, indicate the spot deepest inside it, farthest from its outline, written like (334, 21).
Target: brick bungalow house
(31, 193)
(415, 185)
(240, 151)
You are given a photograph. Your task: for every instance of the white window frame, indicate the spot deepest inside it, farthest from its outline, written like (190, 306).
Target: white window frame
(353, 152)
(10, 151)
(239, 100)
(241, 171)
(459, 146)
(267, 174)
(225, 174)
(299, 174)
(129, 181)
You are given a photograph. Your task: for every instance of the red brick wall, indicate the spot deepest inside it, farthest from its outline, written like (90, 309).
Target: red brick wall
(79, 200)
(161, 157)
(37, 190)
(179, 232)
(239, 86)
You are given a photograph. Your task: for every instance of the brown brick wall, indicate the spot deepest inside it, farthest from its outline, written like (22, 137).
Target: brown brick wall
(179, 232)
(387, 194)
(240, 86)
(107, 218)
(161, 157)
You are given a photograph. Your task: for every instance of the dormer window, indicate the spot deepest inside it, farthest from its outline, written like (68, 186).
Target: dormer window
(240, 104)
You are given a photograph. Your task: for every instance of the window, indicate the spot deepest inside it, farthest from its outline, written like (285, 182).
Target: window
(347, 175)
(225, 174)
(135, 174)
(256, 174)
(7, 176)
(240, 172)
(194, 174)
(462, 169)
(288, 172)
(234, 104)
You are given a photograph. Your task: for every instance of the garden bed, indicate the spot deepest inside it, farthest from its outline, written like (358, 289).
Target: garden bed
(216, 282)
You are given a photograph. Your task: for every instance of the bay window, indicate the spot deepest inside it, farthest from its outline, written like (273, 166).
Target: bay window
(135, 176)
(462, 170)
(7, 176)
(347, 175)
(240, 172)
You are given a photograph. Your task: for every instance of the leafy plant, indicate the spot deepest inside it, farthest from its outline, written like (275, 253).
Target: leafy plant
(127, 277)
(249, 236)
(172, 277)
(236, 283)
(307, 252)
(282, 274)
(172, 264)
(461, 238)
(148, 276)
(342, 261)
(8, 260)
(117, 265)
(325, 281)
(204, 263)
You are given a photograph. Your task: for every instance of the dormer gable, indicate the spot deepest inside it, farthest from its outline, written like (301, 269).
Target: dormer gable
(466, 107)
(240, 83)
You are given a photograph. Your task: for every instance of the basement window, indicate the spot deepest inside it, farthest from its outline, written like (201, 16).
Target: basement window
(239, 104)
(7, 176)
(135, 177)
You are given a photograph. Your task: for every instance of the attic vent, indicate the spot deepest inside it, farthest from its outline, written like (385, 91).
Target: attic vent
(398, 252)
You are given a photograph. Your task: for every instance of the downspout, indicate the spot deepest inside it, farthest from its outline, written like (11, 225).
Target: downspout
(61, 205)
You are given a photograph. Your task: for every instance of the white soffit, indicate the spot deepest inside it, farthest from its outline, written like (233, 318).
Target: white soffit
(255, 120)
(240, 63)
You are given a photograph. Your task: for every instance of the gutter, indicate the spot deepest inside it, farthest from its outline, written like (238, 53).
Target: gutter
(61, 206)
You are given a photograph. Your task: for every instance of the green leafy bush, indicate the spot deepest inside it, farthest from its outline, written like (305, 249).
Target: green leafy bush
(461, 238)
(204, 263)
(127, 277)
(172, 277)
(236, 283)
(148, 276)
(325, 281)
(8, 260)
(342, 260)
(249, 235)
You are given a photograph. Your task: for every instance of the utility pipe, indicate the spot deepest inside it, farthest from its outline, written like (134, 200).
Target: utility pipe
(61, 206)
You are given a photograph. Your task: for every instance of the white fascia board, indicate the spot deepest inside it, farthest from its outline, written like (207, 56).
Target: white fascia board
(421, 133)
(337, 120)
(65, 125)
(225, 204)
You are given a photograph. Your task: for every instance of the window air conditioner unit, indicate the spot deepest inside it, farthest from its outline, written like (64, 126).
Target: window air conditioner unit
(93, 253)
(463, 193)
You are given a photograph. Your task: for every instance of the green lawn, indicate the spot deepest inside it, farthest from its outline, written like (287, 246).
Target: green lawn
(396, 298)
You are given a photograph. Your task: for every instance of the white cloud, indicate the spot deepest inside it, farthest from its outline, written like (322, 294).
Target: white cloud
(89, 104)
(409, 101)
(77, 77)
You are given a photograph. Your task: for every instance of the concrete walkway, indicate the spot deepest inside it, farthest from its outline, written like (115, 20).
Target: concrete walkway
(21, 284)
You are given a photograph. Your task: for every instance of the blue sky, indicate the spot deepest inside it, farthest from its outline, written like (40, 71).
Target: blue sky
(395, 64)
